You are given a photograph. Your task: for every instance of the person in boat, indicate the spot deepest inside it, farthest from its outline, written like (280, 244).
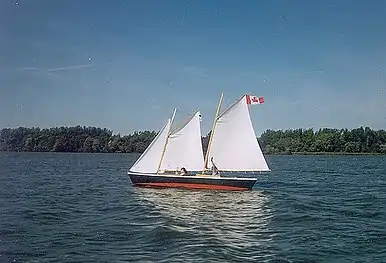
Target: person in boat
(214, 167)
(183, 171)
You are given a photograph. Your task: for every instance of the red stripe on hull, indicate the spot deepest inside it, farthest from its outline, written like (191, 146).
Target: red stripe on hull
(193, 186)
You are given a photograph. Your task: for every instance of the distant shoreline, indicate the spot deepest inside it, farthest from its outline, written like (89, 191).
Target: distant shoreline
(360, 141)
(266, 154)
(325, 153)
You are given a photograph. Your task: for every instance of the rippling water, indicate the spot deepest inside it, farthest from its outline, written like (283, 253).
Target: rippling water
(82, 208)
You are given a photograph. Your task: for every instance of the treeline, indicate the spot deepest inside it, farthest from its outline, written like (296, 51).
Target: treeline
(73, 139)
(92, 139)
(360, 140)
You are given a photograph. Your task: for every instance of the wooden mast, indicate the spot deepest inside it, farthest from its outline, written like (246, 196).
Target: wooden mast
(167, 139)
(211, 133)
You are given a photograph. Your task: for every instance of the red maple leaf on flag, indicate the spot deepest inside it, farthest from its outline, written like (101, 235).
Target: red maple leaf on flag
(254, 100)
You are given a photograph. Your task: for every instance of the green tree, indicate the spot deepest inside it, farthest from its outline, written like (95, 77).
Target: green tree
(93, 139)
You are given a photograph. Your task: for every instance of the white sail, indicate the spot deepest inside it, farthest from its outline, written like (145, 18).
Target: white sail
(149, 161)
(234, 144)
(184, 147)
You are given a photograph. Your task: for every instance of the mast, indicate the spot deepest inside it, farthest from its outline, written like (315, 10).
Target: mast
(211, 133)
(167, 138)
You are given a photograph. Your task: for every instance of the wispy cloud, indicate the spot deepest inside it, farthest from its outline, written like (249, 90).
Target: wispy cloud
(198, 71)
(72, 67)
(47, 72)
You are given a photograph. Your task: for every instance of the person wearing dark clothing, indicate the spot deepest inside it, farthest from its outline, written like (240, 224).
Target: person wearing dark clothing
(214, 167)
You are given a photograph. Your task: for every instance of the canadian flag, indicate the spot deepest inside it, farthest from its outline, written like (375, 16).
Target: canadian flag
(254, 99)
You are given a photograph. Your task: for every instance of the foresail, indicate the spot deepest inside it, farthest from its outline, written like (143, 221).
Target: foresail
(148, 162)
(234, 144)
(184, 147)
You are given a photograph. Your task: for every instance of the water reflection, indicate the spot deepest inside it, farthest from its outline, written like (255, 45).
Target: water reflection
(232, 222)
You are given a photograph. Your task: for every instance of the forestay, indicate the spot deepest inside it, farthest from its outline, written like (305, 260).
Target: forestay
(148, 162)
(184, 147)
(234, 144)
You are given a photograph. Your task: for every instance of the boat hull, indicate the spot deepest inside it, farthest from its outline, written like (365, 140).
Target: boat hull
(192, 182)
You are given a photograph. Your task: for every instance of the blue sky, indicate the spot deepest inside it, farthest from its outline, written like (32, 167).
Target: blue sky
(125, 65)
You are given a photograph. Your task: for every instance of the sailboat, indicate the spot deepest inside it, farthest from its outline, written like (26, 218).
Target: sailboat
(232, 148)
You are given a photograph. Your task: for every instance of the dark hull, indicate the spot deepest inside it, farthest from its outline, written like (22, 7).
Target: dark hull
(192, 182)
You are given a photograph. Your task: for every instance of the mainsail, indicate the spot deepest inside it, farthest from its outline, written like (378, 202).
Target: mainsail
(149, 161)
(234, 145)
(184, 147)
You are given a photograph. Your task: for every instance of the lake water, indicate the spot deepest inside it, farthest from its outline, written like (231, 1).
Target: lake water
(57, 207)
